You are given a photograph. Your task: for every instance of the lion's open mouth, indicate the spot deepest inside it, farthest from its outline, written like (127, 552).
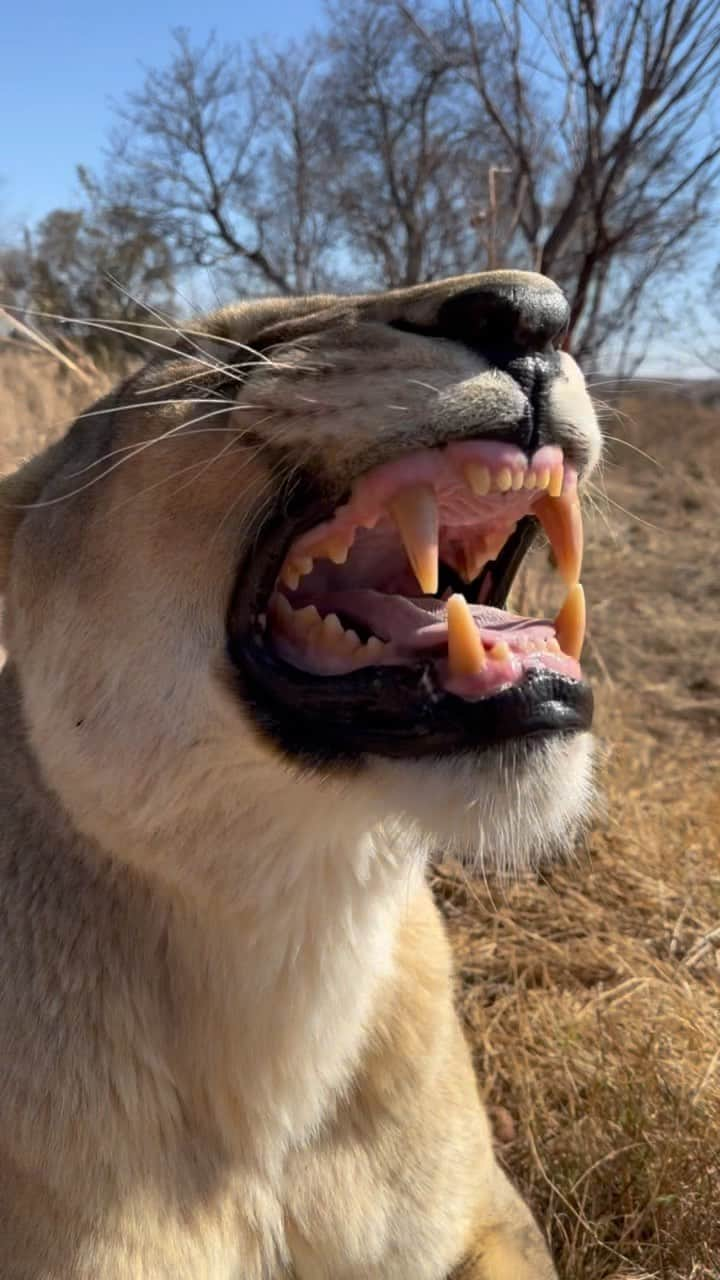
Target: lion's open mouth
(388, 617)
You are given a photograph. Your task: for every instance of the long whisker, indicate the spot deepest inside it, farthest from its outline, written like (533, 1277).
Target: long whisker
(181, 334)
(151, 440)
(630, 514)
(51, 502)
(635, 449)
(111, 328)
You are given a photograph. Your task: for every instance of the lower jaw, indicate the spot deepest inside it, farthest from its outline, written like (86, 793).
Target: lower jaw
(401, 712)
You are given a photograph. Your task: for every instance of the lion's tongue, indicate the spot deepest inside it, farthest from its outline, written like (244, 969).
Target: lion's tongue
(414, 625)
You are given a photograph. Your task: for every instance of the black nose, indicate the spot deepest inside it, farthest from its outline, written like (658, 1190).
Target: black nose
(521, 317)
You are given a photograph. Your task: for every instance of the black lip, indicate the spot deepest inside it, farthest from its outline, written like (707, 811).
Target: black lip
(397, 711)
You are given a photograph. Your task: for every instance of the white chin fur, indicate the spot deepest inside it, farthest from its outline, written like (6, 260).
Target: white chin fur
(503, 811)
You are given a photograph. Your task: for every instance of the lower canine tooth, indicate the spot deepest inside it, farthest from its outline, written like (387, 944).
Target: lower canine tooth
(416, 515)
(466, 655)
(570, 622)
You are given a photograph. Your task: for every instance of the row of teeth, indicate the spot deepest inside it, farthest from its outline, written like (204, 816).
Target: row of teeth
(467, 655)
(415, 513)
(326, 635)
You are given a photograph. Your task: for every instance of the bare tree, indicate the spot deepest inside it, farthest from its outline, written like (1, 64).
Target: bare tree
(603, 114)
(409, 172)
(418, 138)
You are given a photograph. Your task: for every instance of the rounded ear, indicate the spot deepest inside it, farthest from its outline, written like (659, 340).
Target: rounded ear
(19, 491)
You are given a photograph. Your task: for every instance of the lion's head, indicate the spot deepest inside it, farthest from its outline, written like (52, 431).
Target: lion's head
(262, 585)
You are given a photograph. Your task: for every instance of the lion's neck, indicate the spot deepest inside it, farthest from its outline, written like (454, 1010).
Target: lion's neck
(277, 993)
(252, 997)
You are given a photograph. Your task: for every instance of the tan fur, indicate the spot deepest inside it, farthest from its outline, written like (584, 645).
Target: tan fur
(228, 1046)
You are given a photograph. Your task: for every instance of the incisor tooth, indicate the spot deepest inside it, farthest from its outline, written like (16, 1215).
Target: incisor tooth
(290, 576)
(503, 479)
(303, 565)
(529, 481)
(542, 478)
(517, 480)
(466, 655)
(416, 515)
(570, 622)
(556, 482)
(478, 478)
(561, 519)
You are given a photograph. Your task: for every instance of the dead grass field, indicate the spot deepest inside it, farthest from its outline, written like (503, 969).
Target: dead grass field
(592, 995)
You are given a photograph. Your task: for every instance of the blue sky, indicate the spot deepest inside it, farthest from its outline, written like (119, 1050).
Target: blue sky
(61, 65)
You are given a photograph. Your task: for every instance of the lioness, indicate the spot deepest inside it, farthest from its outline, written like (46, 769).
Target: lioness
(258, 665)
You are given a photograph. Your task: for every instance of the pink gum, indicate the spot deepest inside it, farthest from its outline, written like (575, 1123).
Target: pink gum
(438, 468)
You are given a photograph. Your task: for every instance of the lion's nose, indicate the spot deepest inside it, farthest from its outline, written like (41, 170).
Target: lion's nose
(519, 317)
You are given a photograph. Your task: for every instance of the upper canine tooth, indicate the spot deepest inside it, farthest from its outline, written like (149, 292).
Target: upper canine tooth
(570, 622)
(416, 515)
(466, 654)
(478, 478)
(561, 518)
(303, 565)
(289, 575)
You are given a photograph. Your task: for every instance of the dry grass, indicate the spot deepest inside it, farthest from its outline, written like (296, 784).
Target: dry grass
(592, 997)
(38, 398)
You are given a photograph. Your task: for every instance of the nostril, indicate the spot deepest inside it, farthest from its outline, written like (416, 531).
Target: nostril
(524, 317)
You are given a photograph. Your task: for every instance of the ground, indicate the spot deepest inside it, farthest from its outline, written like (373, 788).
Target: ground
(591, 995)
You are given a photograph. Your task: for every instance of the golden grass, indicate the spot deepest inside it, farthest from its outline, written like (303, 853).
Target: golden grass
(39, 397)
(591, 996)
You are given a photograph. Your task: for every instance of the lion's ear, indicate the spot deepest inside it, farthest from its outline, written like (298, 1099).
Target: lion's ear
(19, 491)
